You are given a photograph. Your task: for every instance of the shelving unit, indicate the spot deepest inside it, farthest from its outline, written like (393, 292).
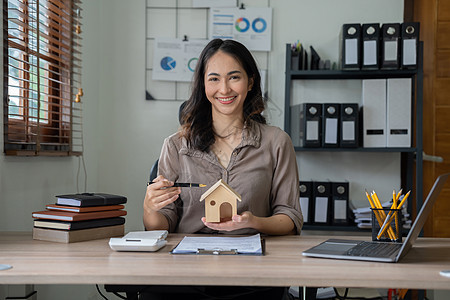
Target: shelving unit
(408, 155)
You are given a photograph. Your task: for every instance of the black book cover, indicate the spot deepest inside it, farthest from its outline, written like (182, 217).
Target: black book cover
(90, 199)
(76, 225)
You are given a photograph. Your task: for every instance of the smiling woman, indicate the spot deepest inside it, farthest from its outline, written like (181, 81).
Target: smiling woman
(42, 77)
(224, 136)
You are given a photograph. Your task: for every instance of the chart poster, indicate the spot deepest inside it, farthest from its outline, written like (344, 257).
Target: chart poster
(250, 26)
(175, 59)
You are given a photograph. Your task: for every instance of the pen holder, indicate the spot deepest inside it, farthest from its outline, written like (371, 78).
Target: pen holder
(387, 225)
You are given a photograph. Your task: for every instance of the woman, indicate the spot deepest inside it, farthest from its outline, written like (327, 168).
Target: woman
(225, 136)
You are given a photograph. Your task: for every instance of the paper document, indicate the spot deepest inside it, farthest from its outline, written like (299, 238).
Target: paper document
(220, 245)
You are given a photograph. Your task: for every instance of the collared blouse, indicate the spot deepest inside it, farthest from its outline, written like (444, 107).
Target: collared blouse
(262, 169)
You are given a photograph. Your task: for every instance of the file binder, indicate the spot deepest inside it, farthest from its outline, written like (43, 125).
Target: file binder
(321, 197)
(399, 112)
(301, 60)
(350, 47)
(330, 125)
(374, 112)
(315, 59)
(311, 125)
(340, 203)
(306, 201)
(370, 46)
(390, 46)
(295, 60)
(410, 44)
(349, 137)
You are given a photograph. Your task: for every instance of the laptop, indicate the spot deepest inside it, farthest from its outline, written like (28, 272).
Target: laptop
(379, 251)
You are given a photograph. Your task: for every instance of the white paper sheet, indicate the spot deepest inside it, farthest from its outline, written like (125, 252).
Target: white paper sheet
(215, 244)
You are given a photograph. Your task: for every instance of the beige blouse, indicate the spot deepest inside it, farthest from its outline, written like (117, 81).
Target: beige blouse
(262, 169)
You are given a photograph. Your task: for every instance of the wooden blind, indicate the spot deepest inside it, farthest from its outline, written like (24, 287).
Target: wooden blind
(42, 77)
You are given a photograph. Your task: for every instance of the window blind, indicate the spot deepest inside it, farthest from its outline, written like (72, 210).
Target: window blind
(42, 77)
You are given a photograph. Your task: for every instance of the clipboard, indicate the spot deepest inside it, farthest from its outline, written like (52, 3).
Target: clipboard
(220, 245)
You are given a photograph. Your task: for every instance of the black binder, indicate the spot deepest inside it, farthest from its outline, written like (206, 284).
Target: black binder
(370, 46)
(390, 46)
(340, 200)
(410, 44)
(311, 125)
(315, 59)
(321, 202)
(349, 137)
(295, 60)
(306, 201)
(350, 47)
(330, 125)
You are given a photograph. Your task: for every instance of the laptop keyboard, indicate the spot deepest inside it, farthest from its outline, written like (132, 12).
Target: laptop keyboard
(374, 249)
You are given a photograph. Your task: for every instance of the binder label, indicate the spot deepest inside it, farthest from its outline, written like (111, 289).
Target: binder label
(312, 130)
(390, 50)
(348, 130)
(409, 52)
(331, 125)
(351, 51)
(321, 211)
(340, 209)
(370, 53)
(304, 205)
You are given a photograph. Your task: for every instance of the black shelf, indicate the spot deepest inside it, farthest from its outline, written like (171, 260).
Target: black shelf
(399, 150)
(335, 228)
(341, 74)
(409, 155)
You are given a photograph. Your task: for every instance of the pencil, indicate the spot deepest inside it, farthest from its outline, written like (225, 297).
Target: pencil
(375, 211)
(383, 215)
(390, 215)
(183, 184)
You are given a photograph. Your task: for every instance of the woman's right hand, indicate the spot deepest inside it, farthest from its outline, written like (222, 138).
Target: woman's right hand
(159, 194)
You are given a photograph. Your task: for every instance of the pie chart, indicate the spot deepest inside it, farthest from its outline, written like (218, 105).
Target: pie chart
(168, 63)
(242, 25)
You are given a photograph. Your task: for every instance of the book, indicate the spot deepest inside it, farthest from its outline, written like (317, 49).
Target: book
(73, 216)
(83, 209)
(65, 225)
(72, 236)
(90, 199)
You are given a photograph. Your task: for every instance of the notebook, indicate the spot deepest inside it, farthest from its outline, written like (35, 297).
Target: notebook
(379, 251)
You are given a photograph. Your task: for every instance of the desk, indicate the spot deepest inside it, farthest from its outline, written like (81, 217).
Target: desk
(40, 262)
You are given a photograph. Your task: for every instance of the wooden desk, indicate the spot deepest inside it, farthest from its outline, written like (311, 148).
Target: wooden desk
(39, 262)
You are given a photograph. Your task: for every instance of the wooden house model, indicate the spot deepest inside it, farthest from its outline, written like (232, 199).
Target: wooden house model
(220, 202)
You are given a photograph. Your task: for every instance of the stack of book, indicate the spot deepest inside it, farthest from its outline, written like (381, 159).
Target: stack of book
(81, 217)
(363, 216)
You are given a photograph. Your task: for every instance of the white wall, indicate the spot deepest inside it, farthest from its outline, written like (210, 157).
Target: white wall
(123, 132)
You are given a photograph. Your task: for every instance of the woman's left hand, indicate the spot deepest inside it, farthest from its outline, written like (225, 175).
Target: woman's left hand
(236, 222)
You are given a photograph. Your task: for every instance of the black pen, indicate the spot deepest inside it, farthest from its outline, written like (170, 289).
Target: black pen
(183, 184)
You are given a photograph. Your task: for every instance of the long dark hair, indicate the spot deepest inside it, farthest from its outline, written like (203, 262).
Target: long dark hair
(197, 114)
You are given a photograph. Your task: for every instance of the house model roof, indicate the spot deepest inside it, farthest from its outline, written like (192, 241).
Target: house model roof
(216, 185)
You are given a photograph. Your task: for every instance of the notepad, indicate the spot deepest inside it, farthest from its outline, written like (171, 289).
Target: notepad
(215, 245)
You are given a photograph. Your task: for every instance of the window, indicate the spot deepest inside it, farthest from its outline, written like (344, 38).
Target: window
(42, 77)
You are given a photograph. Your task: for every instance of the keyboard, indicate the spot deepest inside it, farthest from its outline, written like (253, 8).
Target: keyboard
(374, 249)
